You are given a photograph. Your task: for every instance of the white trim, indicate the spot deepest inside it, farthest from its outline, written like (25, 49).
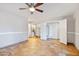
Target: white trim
(12, 33)
(71, 32)
(76, 33)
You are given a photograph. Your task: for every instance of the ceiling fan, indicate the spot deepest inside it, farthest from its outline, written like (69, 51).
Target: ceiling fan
(33, 7)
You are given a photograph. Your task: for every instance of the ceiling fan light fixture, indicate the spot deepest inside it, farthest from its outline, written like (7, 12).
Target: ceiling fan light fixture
(32, 9)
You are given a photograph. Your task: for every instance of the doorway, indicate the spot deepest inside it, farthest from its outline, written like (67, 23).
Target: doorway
(53, 30)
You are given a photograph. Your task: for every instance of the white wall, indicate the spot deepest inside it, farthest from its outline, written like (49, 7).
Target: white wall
(13, 28)
(63, 31)
(29, 30)
(43, 31)
(76, 16)
(71, 29)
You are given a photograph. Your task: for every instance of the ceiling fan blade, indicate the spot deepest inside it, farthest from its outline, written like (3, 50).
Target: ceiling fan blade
(32, 4)
(22, 8)
(39, 10)
(38, 4)
(28, 4)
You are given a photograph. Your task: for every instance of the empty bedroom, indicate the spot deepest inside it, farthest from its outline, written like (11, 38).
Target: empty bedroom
(39, 29)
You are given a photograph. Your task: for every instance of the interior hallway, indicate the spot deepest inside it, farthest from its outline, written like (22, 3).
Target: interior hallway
(36, 47)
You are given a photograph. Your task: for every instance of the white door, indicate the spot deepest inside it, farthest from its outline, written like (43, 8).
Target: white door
(53, 30)
(63, 31)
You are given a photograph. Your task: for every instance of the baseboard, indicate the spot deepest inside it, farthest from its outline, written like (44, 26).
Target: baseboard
(70, 43)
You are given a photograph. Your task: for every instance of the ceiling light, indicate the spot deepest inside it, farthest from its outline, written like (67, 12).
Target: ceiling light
(32, 9)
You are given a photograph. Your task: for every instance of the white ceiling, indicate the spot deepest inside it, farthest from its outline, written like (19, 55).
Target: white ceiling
(51, 11)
